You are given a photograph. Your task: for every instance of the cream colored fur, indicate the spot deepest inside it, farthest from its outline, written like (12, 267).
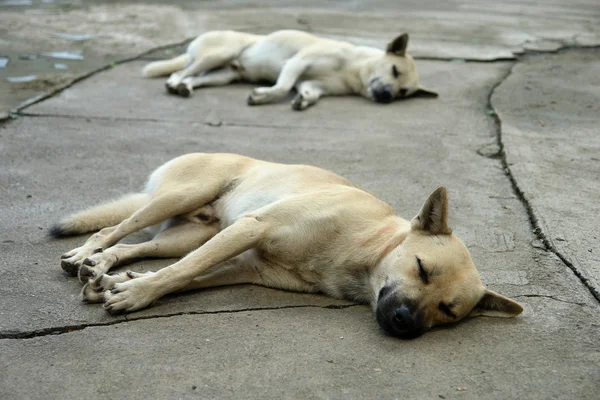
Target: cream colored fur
(293, 227)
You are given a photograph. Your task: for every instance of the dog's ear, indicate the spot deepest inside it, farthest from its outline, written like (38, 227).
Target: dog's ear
(398, 45)
(422, 92)
(433, 217)
(492, 304)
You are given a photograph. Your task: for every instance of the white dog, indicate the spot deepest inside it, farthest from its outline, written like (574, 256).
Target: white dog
(314, 66)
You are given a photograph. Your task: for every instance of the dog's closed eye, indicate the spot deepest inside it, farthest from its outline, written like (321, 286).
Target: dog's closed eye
(445, 308)
(422, 273)
(395, 71)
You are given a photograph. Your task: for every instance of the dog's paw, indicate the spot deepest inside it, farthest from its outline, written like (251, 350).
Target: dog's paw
(258, 96)
(170, 89)
(93, 291)
(71, 261)
(96, 265)
(173, 81)
(184, 90)
(300, 103)
(130, 295)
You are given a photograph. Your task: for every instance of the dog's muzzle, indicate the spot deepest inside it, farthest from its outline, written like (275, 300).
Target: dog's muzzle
(383, 94)
(398, 318)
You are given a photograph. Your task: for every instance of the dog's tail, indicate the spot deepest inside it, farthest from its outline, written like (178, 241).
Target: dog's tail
(100, 216)
(165, 67)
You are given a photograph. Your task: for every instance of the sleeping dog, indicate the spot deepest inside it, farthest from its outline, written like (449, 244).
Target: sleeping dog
(314, 66)
(236, 220)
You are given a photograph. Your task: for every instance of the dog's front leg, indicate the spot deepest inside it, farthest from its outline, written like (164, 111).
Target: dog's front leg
(176, 241)
(290, 73)
(135, 294)
(230, 272)
(309, 93)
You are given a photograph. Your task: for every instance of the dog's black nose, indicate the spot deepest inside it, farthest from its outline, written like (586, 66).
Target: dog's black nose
(399, 319)
(404, 320)
(383, 95)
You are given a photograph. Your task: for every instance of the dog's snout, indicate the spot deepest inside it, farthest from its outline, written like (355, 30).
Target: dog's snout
(406, 322)
(397, 318)
(404, 319)
(383, 95)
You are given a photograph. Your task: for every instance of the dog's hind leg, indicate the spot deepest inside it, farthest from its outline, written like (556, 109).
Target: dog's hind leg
(210, 51)
(309, 93)
(160, 208)
(242, 235)
(220, 77)
(176, 241)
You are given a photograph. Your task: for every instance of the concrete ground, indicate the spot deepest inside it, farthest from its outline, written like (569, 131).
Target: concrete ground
(513, 137)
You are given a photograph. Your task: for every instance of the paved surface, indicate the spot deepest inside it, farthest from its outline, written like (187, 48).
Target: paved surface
(528, 213)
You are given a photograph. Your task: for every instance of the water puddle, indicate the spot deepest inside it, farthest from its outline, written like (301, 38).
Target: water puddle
(75, 37)
(63, 55)
(16, 3)
(21, 79)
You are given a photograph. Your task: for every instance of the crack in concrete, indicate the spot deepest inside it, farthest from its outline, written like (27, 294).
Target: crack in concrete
(59, 330)
(564, 47)
(206, 123)
(516, 55)
(55, 91)
(533, 219)
(466, 60)
(214, 124)
(544, 296)
(99, 118)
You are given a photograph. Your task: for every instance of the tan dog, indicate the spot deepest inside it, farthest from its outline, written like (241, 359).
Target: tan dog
(291, 227)
(314, 66)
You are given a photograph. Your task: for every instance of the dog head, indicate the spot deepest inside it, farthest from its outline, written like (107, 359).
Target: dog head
(430, 279)
(394, 75)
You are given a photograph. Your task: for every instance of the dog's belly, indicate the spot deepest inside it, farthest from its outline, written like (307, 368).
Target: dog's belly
(256, 189)
(235, 205)
(264, 61)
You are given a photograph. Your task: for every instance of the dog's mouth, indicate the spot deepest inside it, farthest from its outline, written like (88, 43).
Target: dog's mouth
(397, 317)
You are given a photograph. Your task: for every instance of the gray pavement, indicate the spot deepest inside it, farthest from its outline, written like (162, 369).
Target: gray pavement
(527, 214)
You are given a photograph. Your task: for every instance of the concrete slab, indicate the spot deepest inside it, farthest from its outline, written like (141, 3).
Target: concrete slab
(550, 134)
(473, 29)
(482, 29)
(121, 93)
(309, 354)
(94, 154)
